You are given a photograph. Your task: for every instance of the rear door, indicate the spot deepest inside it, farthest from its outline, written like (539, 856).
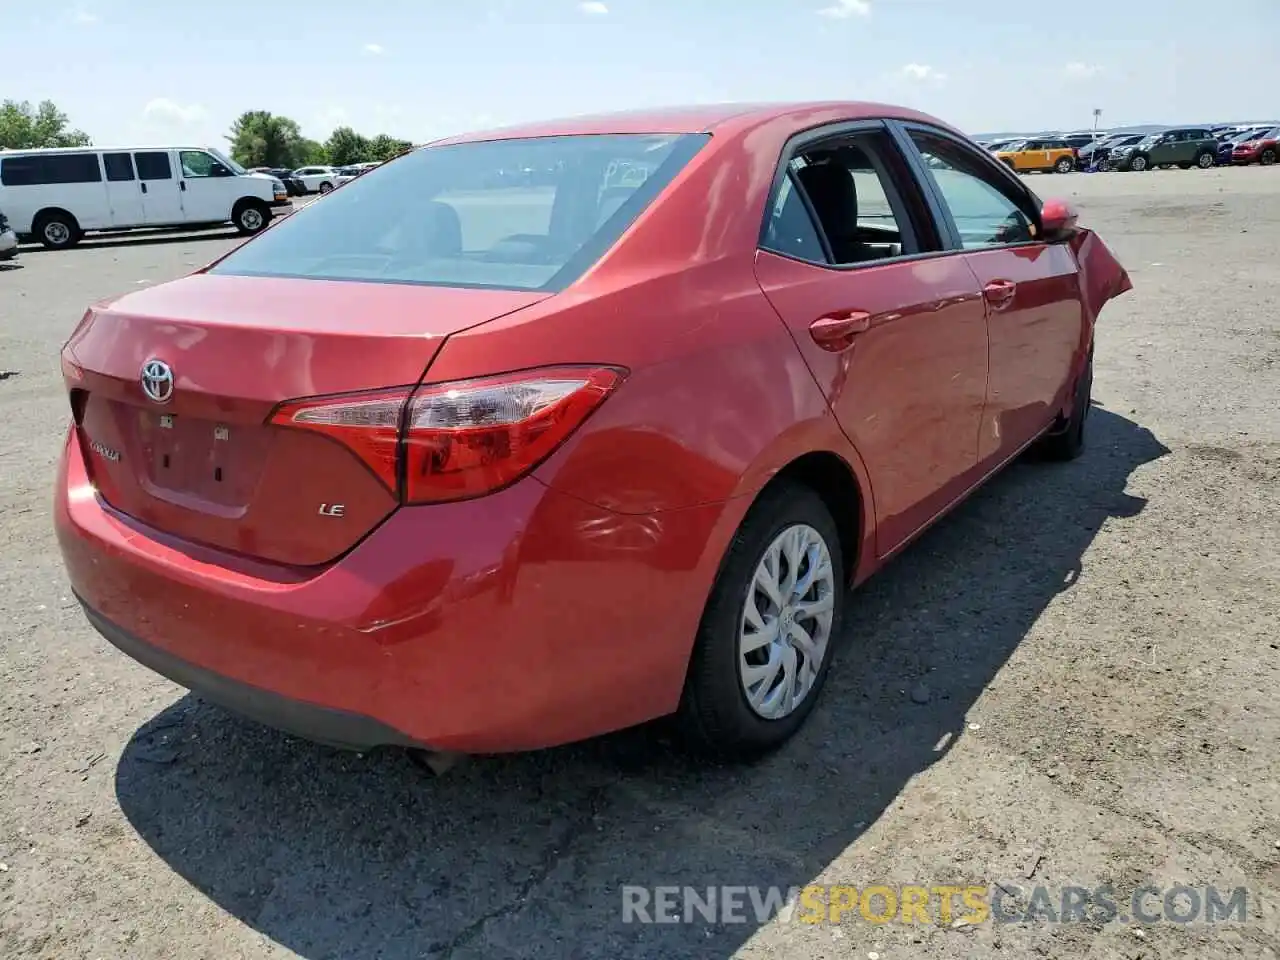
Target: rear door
(124, 193)
(893, 331)
(161, 199)
(1031, 290)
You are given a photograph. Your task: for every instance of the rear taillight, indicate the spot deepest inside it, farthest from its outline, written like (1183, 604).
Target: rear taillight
(368, 424)
(450, 441)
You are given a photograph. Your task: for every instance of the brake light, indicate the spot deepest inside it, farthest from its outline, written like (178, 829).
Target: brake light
(451, 441)
(368, 424)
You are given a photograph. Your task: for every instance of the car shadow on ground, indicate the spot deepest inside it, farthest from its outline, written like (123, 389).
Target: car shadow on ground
(334, 855)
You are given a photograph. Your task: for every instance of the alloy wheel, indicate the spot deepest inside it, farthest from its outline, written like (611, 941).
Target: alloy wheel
(785, 629)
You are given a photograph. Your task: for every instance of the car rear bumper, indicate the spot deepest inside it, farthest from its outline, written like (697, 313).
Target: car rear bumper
(520, 620)
(339, 728)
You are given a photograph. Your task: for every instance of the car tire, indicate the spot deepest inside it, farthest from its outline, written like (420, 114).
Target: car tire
(716, 715)
(1139, 164)
(251, 216)
(1205, 160)
(1064, 165)
(1067, 443)
(57, 230)
(326, 187)
(1267, 157)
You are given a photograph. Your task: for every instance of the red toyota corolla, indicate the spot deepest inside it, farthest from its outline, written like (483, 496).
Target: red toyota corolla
(533, 435)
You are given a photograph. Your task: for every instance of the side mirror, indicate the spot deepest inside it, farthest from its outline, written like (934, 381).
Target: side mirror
(1057, 220)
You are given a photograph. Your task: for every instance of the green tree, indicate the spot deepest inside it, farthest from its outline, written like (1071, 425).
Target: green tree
(23, 127)
(384, 147)
(312, 153)
(345, 147)
(260, 138)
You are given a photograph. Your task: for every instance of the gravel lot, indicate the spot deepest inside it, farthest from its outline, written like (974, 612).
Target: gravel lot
(1097, 640)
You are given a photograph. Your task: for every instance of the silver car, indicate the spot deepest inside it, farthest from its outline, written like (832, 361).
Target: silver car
(8, 240)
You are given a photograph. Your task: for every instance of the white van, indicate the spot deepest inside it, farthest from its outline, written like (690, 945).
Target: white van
(57, 194)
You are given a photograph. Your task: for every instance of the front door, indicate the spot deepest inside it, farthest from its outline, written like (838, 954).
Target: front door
(161, 199)
(896, 339)
(206, 186)
(124, 192)
(1031, 290)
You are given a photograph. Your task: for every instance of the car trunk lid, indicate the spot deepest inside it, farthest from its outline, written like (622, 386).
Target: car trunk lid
(195, 457)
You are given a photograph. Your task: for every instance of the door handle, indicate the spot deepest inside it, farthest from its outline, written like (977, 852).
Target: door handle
(182, 185)
(144, 188)
(999, 293)
(835, 331)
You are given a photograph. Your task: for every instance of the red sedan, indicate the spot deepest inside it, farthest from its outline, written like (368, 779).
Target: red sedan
(528, 436)
(1262, 148)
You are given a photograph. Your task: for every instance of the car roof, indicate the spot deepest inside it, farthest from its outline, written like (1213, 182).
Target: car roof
(94, 148)
(700, 118)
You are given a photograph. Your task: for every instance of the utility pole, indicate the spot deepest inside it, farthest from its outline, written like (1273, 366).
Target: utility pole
(1097, 114)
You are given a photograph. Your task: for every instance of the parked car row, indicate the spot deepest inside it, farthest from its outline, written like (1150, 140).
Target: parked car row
(1183, 147)
(316, 179)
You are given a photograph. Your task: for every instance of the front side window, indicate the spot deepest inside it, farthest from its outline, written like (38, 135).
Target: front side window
(196, 164)
(981, 207)
(524, 214)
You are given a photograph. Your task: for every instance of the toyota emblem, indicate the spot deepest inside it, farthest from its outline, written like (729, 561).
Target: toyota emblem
(157, 380)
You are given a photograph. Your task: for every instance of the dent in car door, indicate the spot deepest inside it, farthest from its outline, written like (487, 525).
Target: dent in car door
(1031, 289)
(906, 378)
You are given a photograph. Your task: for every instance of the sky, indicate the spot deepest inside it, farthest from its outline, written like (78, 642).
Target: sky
(142, 71)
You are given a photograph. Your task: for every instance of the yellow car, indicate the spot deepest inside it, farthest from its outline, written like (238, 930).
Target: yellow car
(1045, 154)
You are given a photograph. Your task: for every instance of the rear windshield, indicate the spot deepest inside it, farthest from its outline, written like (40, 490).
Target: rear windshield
(523, 214)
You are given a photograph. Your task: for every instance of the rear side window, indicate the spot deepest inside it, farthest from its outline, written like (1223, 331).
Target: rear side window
(119, 166)
(153, 165)
(50, 168)
(789, 229)
(522, 214)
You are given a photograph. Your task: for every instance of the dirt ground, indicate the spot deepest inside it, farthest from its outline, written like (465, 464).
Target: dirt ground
(1069, 682)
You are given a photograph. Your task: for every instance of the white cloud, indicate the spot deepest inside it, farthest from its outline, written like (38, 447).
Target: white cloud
(1081, 71)
(843, 9)
(593, 8)
(83, 18)
(171, 113)
(922, 73)
(374, 49)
